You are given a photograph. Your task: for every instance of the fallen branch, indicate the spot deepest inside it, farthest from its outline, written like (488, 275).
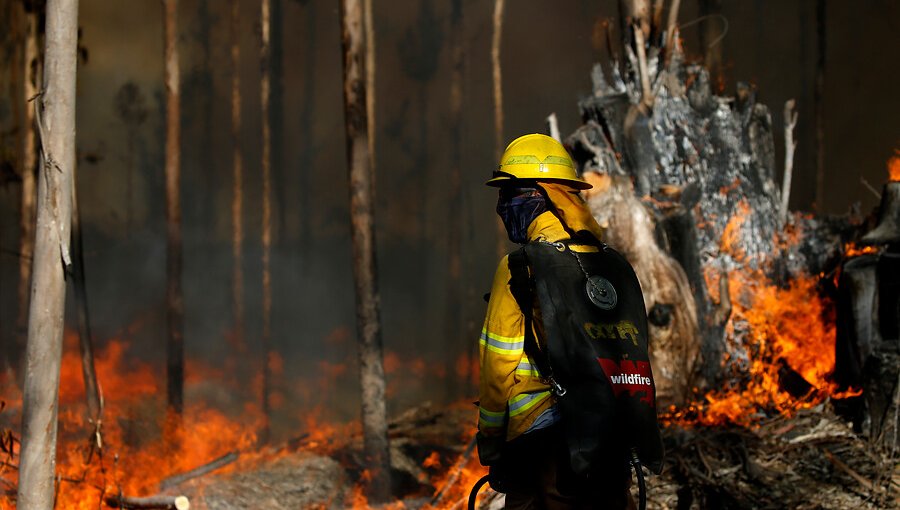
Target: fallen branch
(869, 486)
(149, 503)
(197, 472)
(451, 480)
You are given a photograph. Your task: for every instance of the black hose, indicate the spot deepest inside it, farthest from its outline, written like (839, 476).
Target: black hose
(642, 486)
(473, 496)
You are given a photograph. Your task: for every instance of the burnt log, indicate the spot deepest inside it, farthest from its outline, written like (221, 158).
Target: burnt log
(174, 481)
(149, 503)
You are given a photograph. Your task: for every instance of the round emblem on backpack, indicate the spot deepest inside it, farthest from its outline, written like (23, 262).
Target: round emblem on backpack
(601, 293)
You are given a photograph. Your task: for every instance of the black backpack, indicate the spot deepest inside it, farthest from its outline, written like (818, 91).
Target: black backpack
(595, 353)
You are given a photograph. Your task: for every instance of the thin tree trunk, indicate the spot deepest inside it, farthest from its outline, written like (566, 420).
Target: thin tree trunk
(51, 259)
(498, 107)
(237, 190)
(31, 79)
(276, 112)
(265, 19)
(455, 316)
(85, 341)
(309, 148)
(374, 409)
(370, 82)
(819, 103)
(174, 296)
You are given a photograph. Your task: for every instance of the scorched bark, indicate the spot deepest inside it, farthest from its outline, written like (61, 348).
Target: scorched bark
(374, 409)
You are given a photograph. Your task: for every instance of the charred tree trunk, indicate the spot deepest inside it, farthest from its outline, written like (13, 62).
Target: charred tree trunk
(819, 103)
(702, 166)
(455, 316)
(51, 259)
(237, 189)
(374, 411)
(31, 80)
(174, 295)
(266, 165)
(85, 341)
(498, 106)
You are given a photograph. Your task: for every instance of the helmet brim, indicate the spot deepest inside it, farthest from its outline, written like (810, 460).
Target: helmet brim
(580, 185)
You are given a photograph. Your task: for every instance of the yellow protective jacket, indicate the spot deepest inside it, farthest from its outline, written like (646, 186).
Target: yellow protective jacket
(511, 392)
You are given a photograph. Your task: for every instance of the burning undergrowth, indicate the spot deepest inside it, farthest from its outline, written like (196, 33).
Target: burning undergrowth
(140, 449)
(780, 337)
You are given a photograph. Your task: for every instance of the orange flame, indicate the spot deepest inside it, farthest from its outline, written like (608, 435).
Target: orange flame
(853, 250)
(770, 326)
(893, 165)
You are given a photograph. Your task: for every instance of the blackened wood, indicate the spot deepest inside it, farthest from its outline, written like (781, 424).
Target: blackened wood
(368, 320)
(856, 331)
(43, 351)
(174, 481)
(149, 503)
(85, 340)
(174, 293)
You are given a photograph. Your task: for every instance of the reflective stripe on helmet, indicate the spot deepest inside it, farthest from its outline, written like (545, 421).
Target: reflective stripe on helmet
(530, 159)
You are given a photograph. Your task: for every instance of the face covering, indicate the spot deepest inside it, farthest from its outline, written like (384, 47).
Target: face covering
(518, 208)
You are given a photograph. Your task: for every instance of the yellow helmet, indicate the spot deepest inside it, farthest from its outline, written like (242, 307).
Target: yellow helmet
(537, 157)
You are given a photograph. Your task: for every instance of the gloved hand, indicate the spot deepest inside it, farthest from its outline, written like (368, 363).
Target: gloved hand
(490, 453)
(490, 448)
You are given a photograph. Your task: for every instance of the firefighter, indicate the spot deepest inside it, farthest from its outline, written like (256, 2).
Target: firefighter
(520, 434)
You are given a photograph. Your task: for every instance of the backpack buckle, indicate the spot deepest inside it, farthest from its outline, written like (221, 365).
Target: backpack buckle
(557, 388)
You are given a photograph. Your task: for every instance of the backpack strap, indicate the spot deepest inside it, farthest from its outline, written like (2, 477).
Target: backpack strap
(522, 288)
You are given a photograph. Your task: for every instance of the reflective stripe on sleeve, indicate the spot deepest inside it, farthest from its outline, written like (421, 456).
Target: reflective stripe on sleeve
(521, 403)
(491, 418)
(526, 367)
(502, 344)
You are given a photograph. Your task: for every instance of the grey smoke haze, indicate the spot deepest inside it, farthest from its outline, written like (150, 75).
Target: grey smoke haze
(548, 51)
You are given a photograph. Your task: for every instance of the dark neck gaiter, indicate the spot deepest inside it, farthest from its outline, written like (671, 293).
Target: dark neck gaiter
(518, 212)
